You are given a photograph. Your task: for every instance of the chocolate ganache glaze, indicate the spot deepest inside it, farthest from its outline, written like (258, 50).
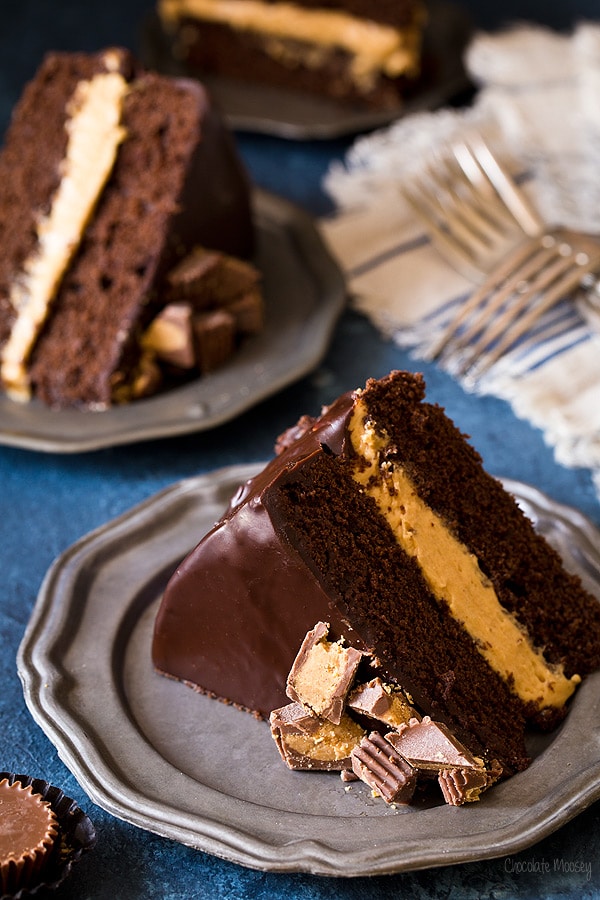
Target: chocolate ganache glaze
(254, 618)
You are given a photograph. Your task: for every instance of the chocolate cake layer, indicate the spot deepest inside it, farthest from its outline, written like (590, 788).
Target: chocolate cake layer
(306, 540)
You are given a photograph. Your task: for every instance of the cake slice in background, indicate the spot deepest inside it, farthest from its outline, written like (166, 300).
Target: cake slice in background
(109, 176)
(358, 52)
(377, 517)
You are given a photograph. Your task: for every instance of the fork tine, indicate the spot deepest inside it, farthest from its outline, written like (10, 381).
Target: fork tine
(498, 277)
(445, 241)
(483, 220)
(538, 268)
(527, 272)
(477, 218)
(471, 209)
(515, 201)
(501, 311)
(569, 278)
(484, 191)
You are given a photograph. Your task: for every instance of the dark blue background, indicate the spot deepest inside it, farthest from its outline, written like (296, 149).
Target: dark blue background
(49, 501)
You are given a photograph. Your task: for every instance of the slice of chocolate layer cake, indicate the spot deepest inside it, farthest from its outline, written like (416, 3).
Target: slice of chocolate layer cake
(109, 175)
(378, 518)
(362, 53)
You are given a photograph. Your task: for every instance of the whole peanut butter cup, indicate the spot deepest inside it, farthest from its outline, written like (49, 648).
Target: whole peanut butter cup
(28, 836)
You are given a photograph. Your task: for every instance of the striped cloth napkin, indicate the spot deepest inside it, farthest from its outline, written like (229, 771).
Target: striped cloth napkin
(538, 108)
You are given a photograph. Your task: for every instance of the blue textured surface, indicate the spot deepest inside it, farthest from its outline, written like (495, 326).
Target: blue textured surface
(49, 501)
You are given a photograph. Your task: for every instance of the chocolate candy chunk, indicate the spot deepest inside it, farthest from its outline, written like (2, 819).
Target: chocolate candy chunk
(214, 337)
(306, 741)
(430, 747)
(207, 279)
(170, 336)
(214, 299)
(463, 785)
(248, 312)
(195, 277)
(376, 762)
(433, 750)
(322, 674)
(294, 719)
(384, 702)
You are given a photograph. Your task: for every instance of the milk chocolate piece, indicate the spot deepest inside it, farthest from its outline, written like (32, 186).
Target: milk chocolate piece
(384, 702)
(170, 336)
(248, 312)
(378, 764)
(322, 674)
(294, 719)
(194, 277)
(209, 279)
(213, 298)
(430, 747)
(306, 741)
(463, 785)
(214, 338)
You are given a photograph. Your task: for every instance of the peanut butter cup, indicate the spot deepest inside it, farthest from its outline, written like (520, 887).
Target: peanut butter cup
(28, 836)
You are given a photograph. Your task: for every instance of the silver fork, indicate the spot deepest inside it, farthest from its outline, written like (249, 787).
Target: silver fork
(529, 281)
(472, 210)
(484, 226)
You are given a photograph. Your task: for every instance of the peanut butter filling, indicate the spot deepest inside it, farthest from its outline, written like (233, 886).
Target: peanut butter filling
(95, 133)
(329, 742)
(374, 48)
(453, 574)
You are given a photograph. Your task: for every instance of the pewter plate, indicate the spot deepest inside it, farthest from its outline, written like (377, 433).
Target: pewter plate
(158, 755)
(304, 294)
(268, 109)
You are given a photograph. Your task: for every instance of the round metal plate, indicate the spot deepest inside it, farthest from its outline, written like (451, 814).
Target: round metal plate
(158, 755)
(304, 293)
